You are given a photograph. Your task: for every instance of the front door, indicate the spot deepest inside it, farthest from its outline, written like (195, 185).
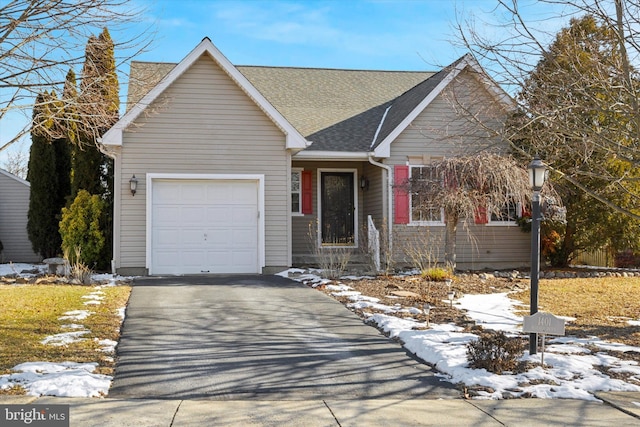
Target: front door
(338, 208)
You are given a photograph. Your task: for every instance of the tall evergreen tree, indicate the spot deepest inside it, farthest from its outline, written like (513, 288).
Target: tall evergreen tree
(575, 120)
(44, 201)
(98, 105)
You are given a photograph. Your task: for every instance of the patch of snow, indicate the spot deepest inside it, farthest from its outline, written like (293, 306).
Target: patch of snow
(67, 379)
(64, 338)
(108, 346)
(76, 315)
(492, 311)
(18, 268)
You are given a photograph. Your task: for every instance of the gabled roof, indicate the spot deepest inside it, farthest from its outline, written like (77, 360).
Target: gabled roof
(294, 139)
(343, 113)
(410, 104)
(311, 99)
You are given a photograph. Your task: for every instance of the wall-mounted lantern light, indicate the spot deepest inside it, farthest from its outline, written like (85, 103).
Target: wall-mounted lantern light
(364, 183)
(133, 183)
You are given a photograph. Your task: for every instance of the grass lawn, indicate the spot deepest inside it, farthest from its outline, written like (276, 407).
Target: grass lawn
(29, 313)
(602, 306)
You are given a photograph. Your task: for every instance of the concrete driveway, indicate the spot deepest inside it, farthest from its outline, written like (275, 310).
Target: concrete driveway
(265, 337)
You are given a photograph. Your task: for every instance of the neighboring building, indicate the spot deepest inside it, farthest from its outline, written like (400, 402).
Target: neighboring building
(14, 206)
(254, 169)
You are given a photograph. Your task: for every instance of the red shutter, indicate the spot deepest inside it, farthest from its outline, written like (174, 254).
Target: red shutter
(307, 192)
(401, 196)
(481, 215)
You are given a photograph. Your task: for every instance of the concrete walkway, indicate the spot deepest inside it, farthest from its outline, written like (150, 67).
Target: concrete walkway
(618, 409)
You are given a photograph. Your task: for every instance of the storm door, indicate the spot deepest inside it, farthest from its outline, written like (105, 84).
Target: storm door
(338, 209)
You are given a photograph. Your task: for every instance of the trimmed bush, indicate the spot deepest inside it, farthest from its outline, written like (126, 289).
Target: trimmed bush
(437, 274)
(495, 352)
(80, 229)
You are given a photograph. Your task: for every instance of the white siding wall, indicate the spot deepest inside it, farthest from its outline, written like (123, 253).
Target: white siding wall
(203, 124)
(441, 130)
(14, 206)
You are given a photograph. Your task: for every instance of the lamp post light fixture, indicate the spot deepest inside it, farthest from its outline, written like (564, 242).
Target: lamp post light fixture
(133, 185)
(537, 176)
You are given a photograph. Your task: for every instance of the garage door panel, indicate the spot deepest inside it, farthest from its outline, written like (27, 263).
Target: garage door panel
(242, 193)
(193, 215)
(243, 238)
(244, 215)
(194, 193)
(193, 259)
(167, 259)
(166, 214)
(165, 237)
(204, 226)
(218, 214)
(221, 194)
(192, 237)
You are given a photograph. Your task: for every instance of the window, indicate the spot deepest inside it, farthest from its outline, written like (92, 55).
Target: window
(296, 191)
(424, 212)
(508, 214)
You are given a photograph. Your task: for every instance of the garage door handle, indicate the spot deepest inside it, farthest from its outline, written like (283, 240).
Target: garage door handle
(205, 236)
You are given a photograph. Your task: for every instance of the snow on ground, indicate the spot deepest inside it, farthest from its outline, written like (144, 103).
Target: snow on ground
(67, 379)
(571, 367)
(570, 371)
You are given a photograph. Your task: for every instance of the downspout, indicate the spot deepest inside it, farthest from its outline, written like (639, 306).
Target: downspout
(389, 200)
(116, 202)
(389, 181)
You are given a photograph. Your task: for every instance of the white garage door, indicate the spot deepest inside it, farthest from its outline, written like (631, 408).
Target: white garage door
(204, 226)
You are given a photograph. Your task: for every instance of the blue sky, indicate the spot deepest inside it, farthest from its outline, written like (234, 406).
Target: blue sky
(352, 34)
(378, 34)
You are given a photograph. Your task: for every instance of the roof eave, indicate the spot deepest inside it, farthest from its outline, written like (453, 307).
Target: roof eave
(332, 155)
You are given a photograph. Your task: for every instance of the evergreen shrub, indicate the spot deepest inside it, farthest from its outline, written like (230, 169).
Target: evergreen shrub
(82, 236)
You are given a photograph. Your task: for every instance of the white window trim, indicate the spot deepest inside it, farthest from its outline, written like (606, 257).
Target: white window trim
(494, 223)
(413, 223)
(299, 172)
(355, 213)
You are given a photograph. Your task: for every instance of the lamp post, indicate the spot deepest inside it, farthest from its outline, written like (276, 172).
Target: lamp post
(537, 175)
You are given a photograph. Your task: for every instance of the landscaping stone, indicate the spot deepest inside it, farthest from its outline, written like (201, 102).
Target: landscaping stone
(404, 294)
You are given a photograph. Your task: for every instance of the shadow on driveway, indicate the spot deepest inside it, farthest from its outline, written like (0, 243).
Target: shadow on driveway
(267, 337)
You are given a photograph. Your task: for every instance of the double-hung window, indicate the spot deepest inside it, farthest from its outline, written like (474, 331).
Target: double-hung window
(507, 215)
(296, 191)
(424, 210)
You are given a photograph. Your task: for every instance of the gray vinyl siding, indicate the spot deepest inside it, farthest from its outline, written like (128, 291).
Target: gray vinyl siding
(203, 124)
(14, 206)
(440, 131)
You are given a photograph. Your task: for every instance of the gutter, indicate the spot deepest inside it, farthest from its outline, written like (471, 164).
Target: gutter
(116, 203)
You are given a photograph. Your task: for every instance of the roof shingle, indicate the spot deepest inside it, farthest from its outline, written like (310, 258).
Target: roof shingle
(336, 109)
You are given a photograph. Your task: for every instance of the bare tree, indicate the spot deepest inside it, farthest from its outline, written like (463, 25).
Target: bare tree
(16, 162)
(591, 105)
(41, 40)
(467, 188)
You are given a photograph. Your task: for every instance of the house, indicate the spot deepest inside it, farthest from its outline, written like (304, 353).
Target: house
(228, 169)
(14, 206)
